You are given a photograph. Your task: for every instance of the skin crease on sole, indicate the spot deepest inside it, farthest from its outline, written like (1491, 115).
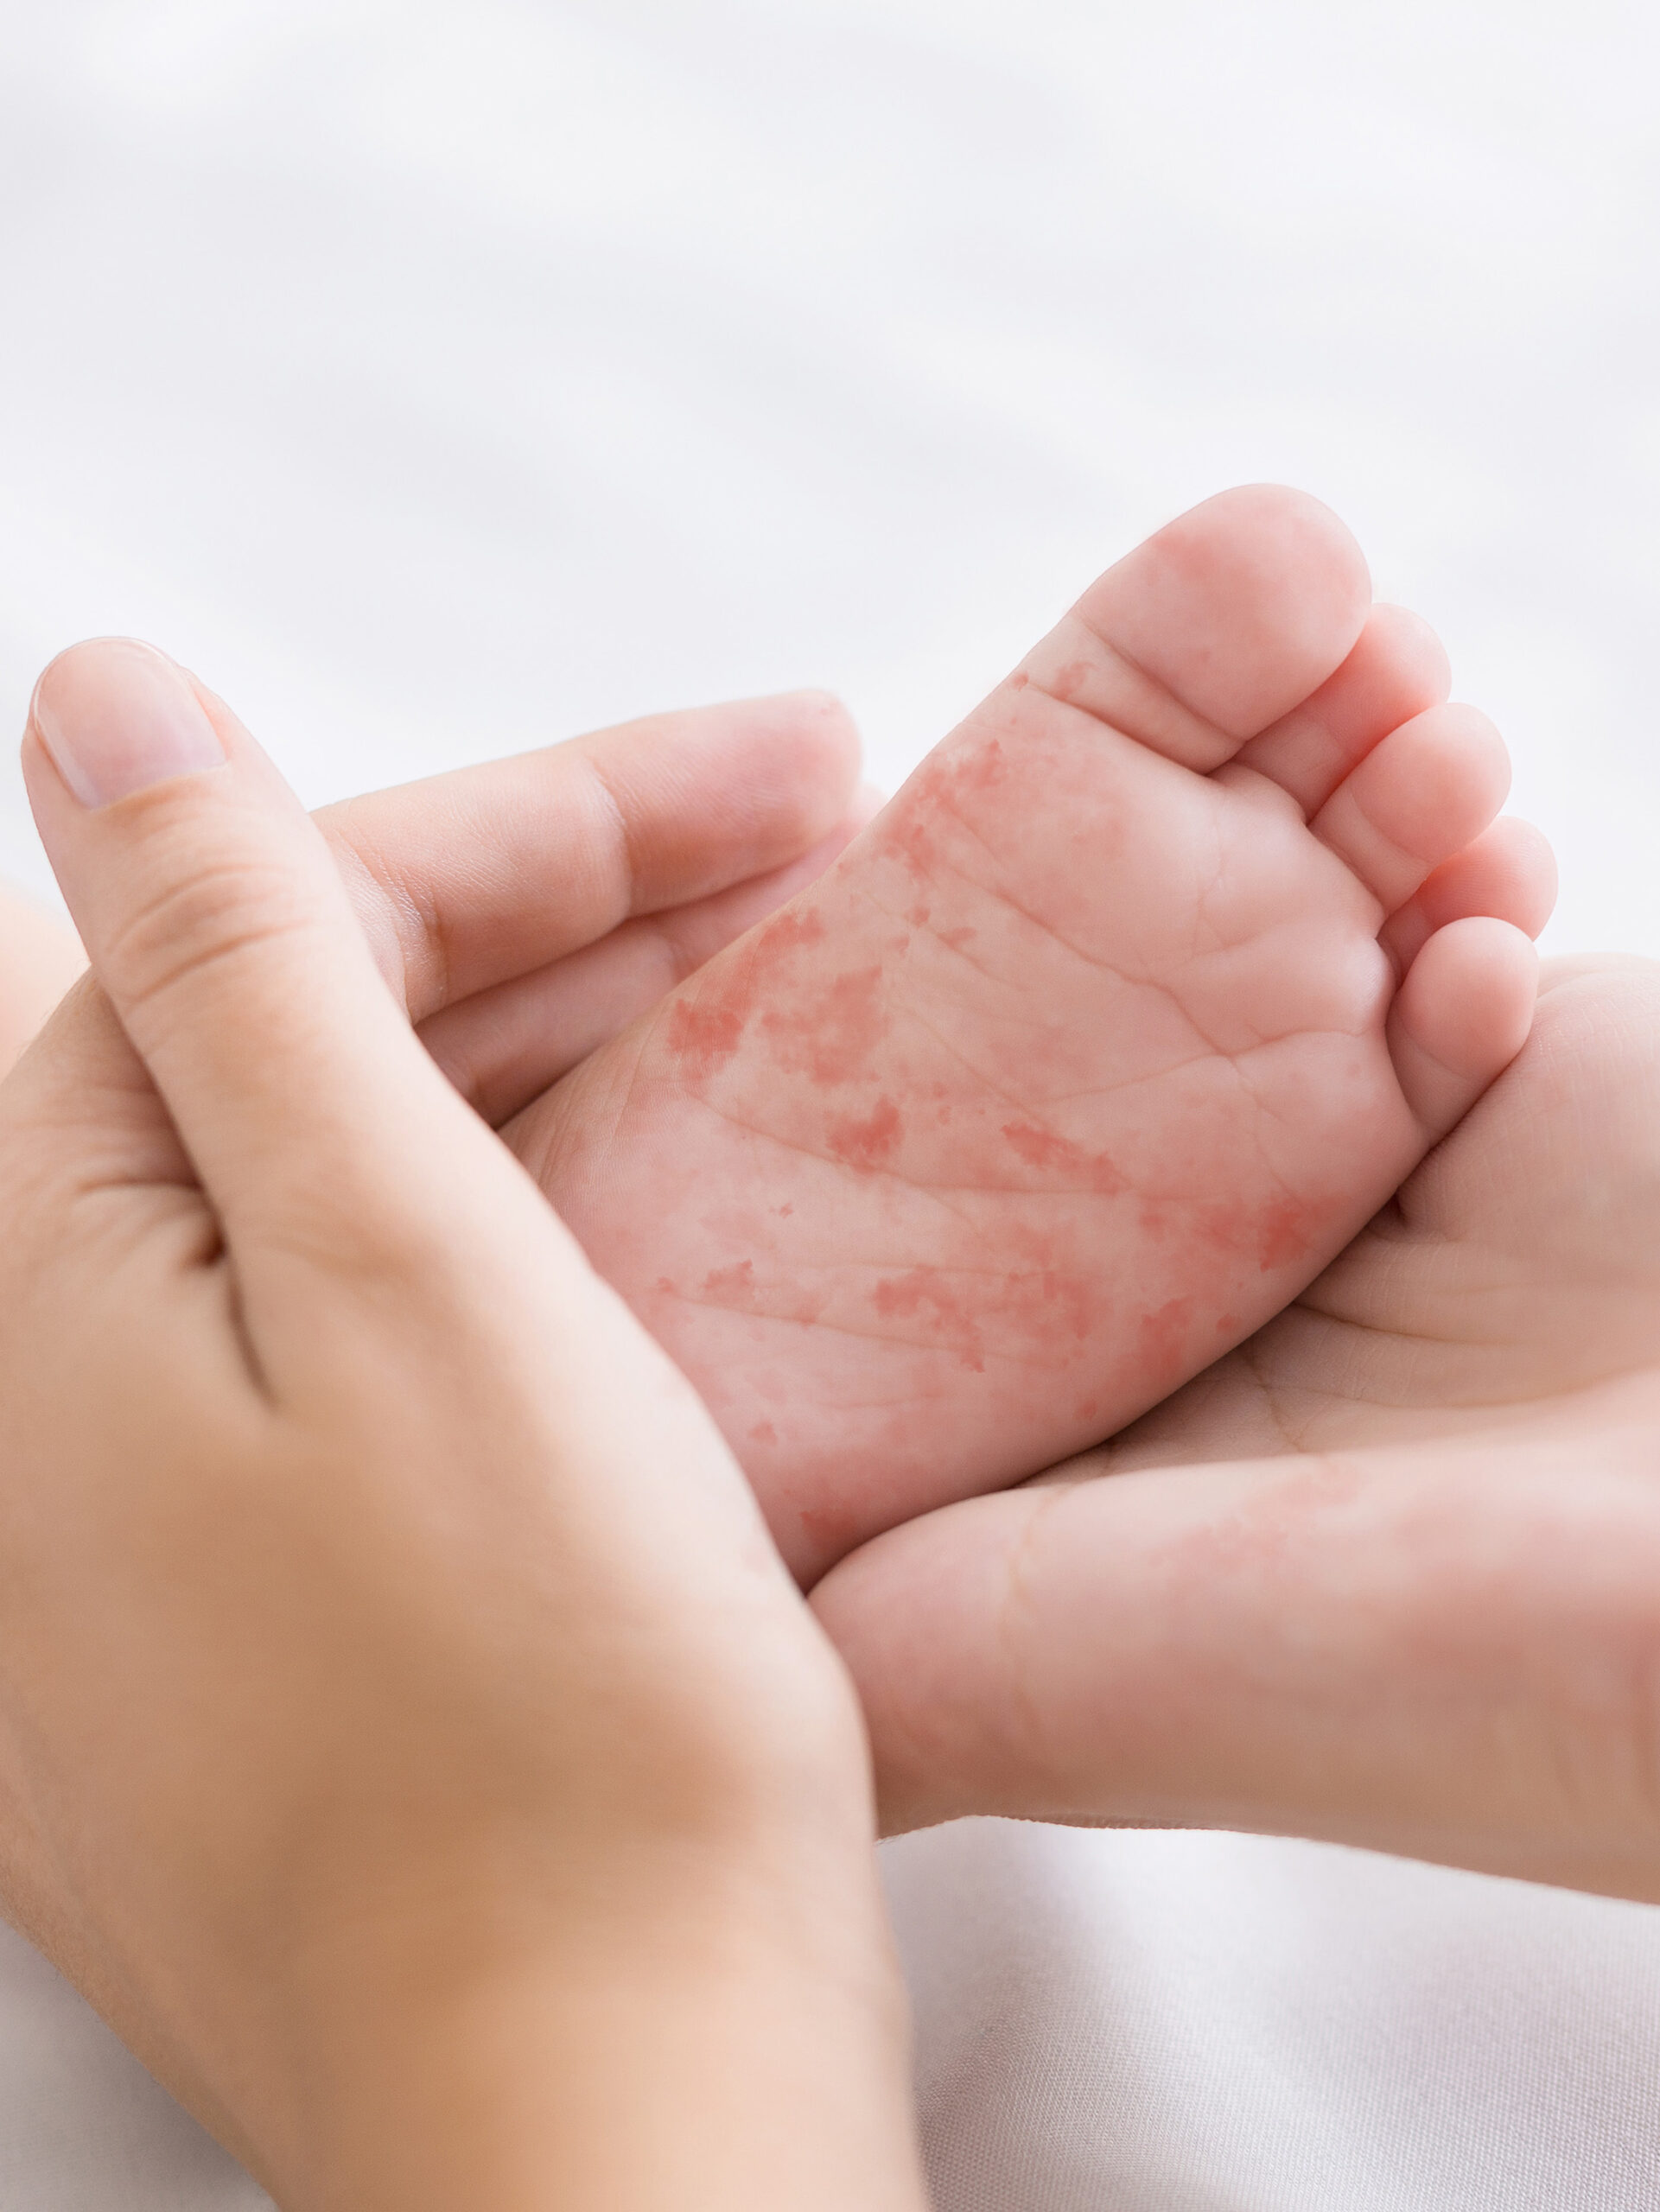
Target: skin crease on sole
(1514, 1280)
(1088, 1054)
(1385, 1574)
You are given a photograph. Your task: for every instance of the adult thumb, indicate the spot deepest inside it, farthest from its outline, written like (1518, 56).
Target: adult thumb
(215, 919)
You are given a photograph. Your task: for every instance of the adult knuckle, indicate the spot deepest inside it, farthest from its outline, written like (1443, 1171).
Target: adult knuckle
(610, 836)
(408, 931)
(181, 931)
(378, 1252)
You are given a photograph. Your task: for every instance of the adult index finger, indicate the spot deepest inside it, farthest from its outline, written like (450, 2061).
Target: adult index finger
(1443, 1650)
(473, 879)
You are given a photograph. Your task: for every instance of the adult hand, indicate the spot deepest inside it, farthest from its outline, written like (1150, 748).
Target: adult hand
(1387, 1574)
(39, 960)
(539, 903)
(409, 1738)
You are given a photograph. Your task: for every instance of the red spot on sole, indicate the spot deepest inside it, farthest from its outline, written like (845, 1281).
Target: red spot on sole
(1274, 1235)
(1068, 681)
(833, 1038)
(1161, 1336)
(703, 1034)
(922, 1291)
(905, 828)
(706, 1026)
(1043, 1148)
(784, 931)
(731, 1285)
(865, 1143)
(978, 768)
(1281, 1234)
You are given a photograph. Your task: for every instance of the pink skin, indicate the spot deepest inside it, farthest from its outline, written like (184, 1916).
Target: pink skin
(1087, 1055)
(544, 901)
(40, 958)
(1383, 1574)
(695, 825)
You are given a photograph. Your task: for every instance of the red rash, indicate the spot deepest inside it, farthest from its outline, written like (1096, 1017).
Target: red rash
(1162, 1336)
(900, 1296)
(1276, 1233)
(982, 769)
(1044, 1148)
(704, 1032)
(1281, 1234)
(1068, 681)
(903, 830)
(868, 1143)
(1026, 1311)
(706, 1028)
(835, 1039)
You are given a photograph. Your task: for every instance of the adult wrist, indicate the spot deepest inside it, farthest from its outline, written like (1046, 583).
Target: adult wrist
(687, 2046)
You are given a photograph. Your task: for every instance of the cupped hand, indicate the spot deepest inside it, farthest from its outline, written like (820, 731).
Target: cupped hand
(1390, 1572)
(409, 1738)
(534, 905)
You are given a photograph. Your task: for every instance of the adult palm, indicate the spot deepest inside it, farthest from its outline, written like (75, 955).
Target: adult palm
(1384, 1574)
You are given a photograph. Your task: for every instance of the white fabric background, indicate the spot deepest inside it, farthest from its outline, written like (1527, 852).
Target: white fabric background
(442, 376)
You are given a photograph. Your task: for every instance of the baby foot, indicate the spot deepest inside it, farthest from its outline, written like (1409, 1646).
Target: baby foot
(1084, 1059)
(1513, 1283)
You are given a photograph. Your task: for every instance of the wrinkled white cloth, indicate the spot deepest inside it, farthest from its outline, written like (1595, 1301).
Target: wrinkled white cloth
(439, 377)
(1115, 2023)
(1159, 2023)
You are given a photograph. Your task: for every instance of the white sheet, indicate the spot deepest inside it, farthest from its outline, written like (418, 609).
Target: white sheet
(442, 378)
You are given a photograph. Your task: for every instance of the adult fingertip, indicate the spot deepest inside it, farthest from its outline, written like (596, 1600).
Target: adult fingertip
(116, 717)
(825, 740)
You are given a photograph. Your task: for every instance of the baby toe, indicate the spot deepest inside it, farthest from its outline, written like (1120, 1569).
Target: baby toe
(1461, 1017)
(1507, 874)
(1214, 627)
(1397, 670)
(1420, 795)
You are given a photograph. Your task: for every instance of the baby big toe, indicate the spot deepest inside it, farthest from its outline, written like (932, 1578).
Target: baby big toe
(1214, 627)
